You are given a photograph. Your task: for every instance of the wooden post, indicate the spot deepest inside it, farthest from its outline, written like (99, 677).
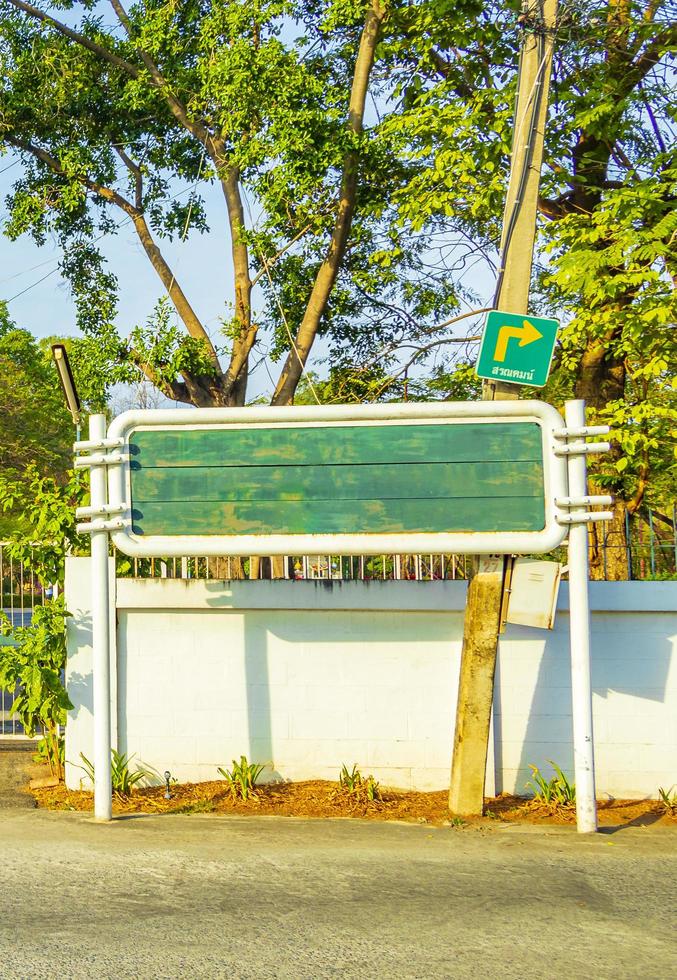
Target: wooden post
(485, 588)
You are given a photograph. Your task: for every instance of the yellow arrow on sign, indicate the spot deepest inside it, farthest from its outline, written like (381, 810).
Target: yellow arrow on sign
(527, 334)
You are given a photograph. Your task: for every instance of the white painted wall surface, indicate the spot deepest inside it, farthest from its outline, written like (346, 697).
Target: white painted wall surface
(307, 676)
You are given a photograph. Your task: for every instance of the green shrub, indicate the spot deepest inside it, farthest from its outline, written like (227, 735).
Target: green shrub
(123, 780)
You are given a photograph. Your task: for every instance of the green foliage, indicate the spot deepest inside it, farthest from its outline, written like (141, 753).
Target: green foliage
(52, 753)
(357, 786)
(242, 778)
(35, 667)
(35, 427)
(606, 249)
(123, 780)
(668, 798)
(43, 521)
(555, 792)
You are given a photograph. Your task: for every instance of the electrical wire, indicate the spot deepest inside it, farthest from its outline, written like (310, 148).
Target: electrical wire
(264, 262)
(32, 285)
(120, 224)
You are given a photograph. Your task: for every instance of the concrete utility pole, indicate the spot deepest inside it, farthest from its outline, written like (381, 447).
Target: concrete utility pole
(485, 590)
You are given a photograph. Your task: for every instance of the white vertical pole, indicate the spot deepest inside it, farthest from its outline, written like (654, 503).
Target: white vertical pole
(579, 632)
(101, 639)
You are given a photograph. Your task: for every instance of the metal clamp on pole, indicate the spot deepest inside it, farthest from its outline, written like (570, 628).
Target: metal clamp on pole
(582, 448)
(581, 431)
(99, 459)
(93, 445)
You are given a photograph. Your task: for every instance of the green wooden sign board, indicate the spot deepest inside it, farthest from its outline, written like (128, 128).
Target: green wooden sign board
(356, 479)
(479, 478)
(517, 349)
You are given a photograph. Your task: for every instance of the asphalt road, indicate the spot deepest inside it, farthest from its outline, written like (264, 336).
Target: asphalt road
(204, 896)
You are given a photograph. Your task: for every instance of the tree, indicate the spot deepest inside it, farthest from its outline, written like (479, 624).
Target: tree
(268, 100)
(608, 243)
(35, 427)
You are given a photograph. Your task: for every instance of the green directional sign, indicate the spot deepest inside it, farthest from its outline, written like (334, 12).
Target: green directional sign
(517, 349)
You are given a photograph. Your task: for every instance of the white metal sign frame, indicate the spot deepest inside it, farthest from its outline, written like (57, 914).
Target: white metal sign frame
(567, 511)
(119, 507)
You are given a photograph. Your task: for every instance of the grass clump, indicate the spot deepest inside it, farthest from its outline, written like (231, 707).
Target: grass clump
(557, 793)
(668, 799)
(362, 789)
(242, 778)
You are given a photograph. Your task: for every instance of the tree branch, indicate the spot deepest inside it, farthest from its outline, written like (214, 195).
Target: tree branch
(642, 484)
(244, 341)
(80, 39)
(328, 271)
(177, 108)
(177, 390)
(135, 171)
(556, 209)
(660, 44)
(157, 260)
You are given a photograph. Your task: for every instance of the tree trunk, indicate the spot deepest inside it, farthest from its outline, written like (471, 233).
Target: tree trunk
(226, 568)
(601, 379)
(609, 546)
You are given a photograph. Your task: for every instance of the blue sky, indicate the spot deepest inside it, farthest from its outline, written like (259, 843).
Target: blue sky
(201, 264)
(39, 299)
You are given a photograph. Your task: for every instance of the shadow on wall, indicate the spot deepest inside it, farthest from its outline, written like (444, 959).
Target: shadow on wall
(620, 665)
(80, 686)
(317, 688)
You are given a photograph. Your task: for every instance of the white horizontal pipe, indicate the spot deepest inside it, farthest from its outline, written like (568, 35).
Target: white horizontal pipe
(582, 430)
(91, 445)
(98, 459)
(117, 524)
(582, 448)
(583, 518)
(587, 501)
(265, 415)
(101, 509)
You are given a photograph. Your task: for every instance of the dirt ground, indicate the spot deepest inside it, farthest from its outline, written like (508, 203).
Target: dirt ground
(322, 799)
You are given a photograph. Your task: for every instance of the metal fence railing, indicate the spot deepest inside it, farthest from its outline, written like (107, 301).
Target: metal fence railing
(309, 567)
(21, 593)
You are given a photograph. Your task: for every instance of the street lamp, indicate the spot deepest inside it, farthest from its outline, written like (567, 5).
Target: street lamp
(65, 373)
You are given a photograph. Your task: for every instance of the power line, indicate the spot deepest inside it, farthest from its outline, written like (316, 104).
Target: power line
(120, 224)
(32, 285)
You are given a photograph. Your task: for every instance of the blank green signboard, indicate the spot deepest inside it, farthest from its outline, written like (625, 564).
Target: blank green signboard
(341, 479)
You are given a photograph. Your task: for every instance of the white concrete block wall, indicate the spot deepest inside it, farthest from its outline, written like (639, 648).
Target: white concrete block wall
(303, 691)
(308, 676)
